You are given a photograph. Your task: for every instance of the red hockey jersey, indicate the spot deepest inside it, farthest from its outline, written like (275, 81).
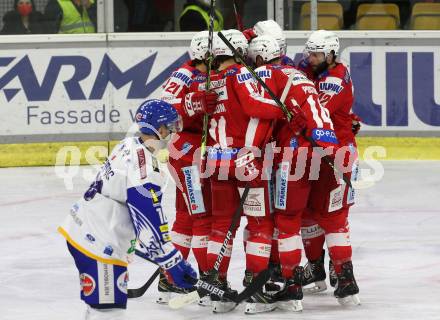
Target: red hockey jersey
(335, 90)
(242, 117)
(302, 94)
(184, 80)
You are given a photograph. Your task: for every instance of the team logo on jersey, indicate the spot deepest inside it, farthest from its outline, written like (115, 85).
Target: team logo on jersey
(87, 283)
(122, 282)
(194, 189)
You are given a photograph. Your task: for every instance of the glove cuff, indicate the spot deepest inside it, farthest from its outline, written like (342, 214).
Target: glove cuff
(170, 260)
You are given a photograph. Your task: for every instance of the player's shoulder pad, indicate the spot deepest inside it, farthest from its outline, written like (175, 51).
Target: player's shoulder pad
(299, 78)
(264, 71)
(183, 76)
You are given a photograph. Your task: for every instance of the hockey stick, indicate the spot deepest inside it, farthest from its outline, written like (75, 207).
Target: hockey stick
(139, 292)
(208, 79)
(203, 288)
(237, 16)
(326, 158)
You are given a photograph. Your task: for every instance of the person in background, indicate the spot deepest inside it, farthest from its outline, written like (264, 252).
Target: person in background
(71, 16)
(195, 16)
(24, 19)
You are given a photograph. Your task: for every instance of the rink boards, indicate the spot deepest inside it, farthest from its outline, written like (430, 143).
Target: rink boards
(83, 90)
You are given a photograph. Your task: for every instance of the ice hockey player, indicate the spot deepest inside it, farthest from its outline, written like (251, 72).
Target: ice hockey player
(192, 226)
(237, 130)
(333, 83)
(123, 206)
(273, 29)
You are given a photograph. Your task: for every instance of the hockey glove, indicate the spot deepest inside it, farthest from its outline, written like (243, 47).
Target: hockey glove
(179, 273)
(200, 103)
(355, 123)
(298, 121)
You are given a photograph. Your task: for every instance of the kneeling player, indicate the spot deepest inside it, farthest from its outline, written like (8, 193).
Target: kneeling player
(121, 206)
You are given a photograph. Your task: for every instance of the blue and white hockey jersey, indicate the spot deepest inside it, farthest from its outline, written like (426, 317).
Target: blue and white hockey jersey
(121, 206)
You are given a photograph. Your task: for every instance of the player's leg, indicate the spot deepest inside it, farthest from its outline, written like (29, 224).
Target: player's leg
(330, 209)
(225, 199)
(258, 245)
(103, 287)
(290, 202)
(313, 238)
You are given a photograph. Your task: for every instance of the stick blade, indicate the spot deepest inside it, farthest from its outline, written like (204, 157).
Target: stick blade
(183, 299)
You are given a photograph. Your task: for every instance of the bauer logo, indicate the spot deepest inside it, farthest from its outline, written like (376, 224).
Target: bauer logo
(105, 73)
(193, 188)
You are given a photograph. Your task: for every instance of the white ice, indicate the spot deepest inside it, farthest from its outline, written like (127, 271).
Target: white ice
(395, 229)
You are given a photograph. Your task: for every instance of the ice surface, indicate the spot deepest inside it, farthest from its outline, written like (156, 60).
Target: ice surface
(395, 234)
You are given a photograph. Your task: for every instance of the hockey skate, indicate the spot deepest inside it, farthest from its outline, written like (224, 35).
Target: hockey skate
(166, 290)
(314, 276)
(276, 281)
(290, 298)
(332, 274)
(220, 305)
(206, 300)
(259, 302)
(347, 290)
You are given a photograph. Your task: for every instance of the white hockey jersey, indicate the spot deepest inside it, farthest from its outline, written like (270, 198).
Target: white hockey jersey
(121, 206)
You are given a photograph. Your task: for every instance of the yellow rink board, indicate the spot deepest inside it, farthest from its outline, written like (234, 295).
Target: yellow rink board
(45, 154)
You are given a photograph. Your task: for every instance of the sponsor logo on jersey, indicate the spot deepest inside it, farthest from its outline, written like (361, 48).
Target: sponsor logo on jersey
(264, 73)
(182, 77)
(132, 246)
(186, 147)
(142, 163)
(328, 86)
(243, 77)
(231, 72)
(107, 170)
(219, 108)
(324, 135)
(335, 199)
(108, 250)
(294, 143)
(74, 215)
(122, 282)
(193, 189)
(281, 185)
(90, 238)
(254, 205)
(87, 284)
(309, 90)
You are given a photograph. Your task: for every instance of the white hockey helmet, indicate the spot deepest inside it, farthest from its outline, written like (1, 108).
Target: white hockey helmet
(272, 28)
(265, 46)
(236, 38)
(322, 41)
(199, 45)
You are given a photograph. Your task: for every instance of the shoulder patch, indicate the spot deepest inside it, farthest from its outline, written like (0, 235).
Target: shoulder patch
(142, 163)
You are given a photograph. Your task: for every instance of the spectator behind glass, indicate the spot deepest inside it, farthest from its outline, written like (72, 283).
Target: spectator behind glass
(71, 16)
(195, 16)
(24, 19)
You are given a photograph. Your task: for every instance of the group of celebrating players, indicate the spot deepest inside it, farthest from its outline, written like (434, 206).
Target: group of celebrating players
(295, 164)
(295, 199)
